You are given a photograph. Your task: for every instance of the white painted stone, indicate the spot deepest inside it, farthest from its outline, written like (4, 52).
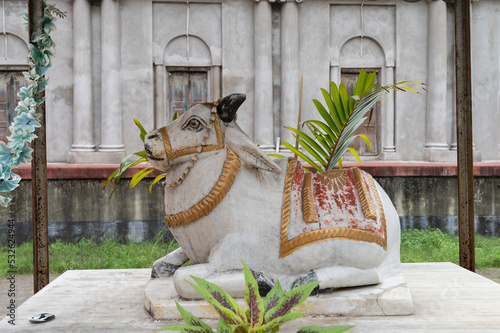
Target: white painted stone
(390, 298)
(246, 224)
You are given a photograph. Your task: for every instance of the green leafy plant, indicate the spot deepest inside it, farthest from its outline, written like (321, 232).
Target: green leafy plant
(263, 315)
(17, 150)
(341, 117)
(127, 163)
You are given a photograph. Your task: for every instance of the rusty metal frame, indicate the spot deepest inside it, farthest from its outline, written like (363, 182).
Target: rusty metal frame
(464, 134)
(39, 175)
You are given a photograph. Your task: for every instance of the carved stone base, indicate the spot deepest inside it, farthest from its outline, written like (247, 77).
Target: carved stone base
(95, 157)
(447, 155)
(389, 156)
(389, 298)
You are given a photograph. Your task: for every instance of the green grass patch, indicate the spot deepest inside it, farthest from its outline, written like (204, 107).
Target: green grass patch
(430, 245)
(87, 254)
(433, 245)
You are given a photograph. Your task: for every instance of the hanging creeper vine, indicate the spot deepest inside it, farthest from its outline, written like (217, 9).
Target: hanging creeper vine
(17, 150)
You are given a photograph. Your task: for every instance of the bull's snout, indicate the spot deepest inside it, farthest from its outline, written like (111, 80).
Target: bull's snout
(147, 149)
(153, 146)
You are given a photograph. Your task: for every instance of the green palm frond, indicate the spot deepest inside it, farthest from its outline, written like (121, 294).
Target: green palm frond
(342, 116)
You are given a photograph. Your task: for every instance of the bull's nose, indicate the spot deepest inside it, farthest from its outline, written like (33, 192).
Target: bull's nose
(147, 149)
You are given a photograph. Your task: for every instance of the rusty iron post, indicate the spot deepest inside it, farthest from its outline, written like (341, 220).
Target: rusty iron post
(464, 134)
(39, 176)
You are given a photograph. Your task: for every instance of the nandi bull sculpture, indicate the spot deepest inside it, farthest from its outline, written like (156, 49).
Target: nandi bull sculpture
(226, 200)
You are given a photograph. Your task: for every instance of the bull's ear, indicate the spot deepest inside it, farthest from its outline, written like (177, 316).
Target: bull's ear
(248, 151)
(227, 107)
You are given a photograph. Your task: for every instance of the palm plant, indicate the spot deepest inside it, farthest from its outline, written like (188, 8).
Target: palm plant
(343, 115)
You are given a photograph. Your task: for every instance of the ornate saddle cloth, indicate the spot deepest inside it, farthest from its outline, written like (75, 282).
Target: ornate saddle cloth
(337, 204)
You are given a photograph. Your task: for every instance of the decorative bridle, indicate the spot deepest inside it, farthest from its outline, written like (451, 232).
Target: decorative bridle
(203, 147)
(224, 183)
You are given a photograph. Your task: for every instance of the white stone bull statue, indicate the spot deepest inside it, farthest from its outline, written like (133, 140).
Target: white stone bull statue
(226, 200)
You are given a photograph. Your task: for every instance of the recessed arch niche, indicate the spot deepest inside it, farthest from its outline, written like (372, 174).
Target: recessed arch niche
(361, 52)
(13, 50)
(185, 54)
(367, 53)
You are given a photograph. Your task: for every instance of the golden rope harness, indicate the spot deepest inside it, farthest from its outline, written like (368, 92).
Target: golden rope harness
(204, 206)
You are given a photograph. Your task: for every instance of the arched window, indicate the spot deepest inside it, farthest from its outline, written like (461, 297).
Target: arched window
(187, 61)
(356, 54)
(13, 54)
(189, 75)
(367, 53)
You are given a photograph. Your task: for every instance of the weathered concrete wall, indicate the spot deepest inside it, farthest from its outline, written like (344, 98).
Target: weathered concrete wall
(431, 202)
(80, 208)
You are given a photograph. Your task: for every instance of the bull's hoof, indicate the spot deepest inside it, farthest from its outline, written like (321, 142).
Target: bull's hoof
(264, 283)
(162, 269)
(305, 278)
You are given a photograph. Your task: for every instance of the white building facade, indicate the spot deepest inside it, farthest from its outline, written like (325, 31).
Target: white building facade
(122, 59)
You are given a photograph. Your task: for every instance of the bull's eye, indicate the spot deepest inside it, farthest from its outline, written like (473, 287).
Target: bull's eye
(194, 125)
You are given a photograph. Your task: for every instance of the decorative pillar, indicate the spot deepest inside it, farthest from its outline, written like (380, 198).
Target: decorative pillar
(335, 73)
(215, 82)
(160, 111)
(83, 118)
(388, 143)
(290, 80)
(454, 145)
(263, 122)
(111, 107)
(436, 146)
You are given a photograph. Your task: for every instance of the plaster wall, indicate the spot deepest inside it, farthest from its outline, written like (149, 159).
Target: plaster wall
(411, 64)
(485, 45)
(237, 57)
(314, 53)
(395, 35)
(59, 92)
(17, 34)
(137, 70)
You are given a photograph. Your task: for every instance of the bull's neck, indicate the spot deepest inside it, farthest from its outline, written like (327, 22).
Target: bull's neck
(202, 185)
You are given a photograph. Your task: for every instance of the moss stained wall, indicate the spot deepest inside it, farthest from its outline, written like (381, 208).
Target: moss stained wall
(80, 208)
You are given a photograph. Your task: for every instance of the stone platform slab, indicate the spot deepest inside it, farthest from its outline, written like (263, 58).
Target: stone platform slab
(390, 298)
(446, 298)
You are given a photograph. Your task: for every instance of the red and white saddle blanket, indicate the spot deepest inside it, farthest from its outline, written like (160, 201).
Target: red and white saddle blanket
(337, 204)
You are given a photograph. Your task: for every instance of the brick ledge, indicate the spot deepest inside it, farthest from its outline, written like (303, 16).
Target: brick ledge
(375, 168)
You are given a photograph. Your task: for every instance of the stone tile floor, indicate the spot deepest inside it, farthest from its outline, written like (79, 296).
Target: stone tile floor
(446, 298)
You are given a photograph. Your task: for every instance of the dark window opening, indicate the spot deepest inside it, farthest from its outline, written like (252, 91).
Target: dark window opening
(185, 89)
(370, 127)
(10, 84)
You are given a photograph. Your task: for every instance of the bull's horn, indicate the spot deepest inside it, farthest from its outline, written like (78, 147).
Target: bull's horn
(229, 105)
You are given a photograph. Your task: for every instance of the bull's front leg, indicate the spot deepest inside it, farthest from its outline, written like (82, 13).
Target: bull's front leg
(167, 265)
